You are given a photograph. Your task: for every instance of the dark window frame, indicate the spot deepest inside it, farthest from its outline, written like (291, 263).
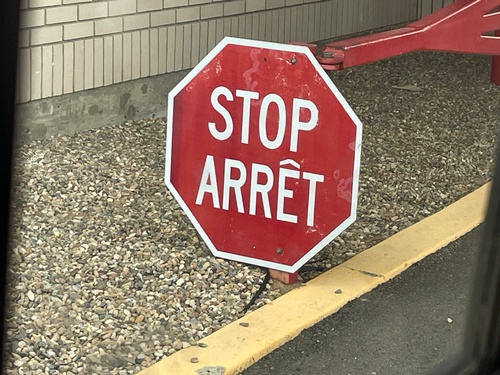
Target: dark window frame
(481, 347)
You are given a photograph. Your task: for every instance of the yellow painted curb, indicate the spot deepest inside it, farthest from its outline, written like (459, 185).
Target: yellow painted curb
(237, 346)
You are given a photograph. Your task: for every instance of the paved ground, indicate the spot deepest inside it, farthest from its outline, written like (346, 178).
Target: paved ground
(405, 326)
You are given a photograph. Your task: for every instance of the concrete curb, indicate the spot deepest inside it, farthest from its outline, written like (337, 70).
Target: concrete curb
(238, 345)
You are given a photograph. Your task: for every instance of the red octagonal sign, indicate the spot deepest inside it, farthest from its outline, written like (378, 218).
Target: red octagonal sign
(263, 153)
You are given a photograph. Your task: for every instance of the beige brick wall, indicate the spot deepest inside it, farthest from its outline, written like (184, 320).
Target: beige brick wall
(67, 46)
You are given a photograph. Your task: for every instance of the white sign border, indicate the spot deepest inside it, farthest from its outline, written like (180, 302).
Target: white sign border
(357, 152)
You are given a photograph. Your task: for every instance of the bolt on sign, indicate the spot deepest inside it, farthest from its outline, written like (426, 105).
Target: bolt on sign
(263, 153)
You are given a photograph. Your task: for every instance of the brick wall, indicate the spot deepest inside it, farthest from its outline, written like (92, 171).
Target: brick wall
(67, 46)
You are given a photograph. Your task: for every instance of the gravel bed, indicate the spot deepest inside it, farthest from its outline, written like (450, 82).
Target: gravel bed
(107, 274)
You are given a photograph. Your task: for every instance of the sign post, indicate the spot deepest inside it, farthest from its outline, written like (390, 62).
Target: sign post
(263, 153)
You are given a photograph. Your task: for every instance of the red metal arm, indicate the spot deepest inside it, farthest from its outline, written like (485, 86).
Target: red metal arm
(465, 26)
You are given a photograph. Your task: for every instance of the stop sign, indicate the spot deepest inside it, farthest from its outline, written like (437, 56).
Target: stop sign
(263, 153)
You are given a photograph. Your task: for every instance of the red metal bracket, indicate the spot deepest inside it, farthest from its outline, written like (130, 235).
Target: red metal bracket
(464, 26)
(285, 277)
